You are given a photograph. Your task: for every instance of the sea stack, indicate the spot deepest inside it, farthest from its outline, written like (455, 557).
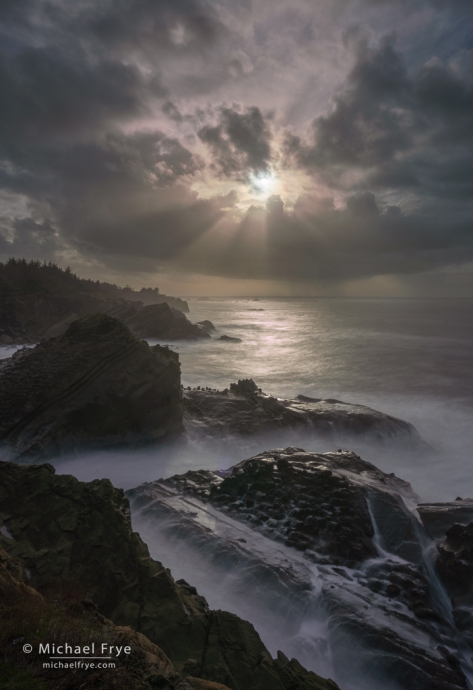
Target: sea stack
(95, 385)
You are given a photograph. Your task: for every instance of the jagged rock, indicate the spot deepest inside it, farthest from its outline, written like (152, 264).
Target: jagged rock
(162, 322)
(291, 672)
(228, 339)
(63, 529)
(312, 502)
(451, 526)
(245, 388)
(350, 520)
(244, 409)
(96, 384)
(207, 326)
(152, 298)
(12, 582)
(158, 321)
(455, 562)
(437, 518)
(61, 615)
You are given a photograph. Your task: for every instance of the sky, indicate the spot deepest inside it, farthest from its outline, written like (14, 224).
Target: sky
(241, 147)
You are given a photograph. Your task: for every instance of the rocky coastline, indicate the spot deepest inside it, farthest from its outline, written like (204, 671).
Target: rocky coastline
(244, 409)
(30, 318)
(41, 300)
(353, 521)
(325, 534)
(57, 531)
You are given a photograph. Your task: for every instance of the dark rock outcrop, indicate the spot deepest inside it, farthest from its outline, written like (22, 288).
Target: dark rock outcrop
(30, 318)
(151, 297)
(321, 504)
(207, 326)
(455, 562)
(350, 520)
(437, 518)
(164, 323)
(229, 339)
(245, 388)
(451, 526)
(61, 529)
(95, 385)
(244, 409)
(61, 616)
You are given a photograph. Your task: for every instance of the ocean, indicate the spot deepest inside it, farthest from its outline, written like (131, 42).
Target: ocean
(411, 358)
(408, 358)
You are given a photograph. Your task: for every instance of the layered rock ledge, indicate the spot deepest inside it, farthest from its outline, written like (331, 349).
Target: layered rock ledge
(64, 531)
(95, 385)
(275, 515)
(245, 409)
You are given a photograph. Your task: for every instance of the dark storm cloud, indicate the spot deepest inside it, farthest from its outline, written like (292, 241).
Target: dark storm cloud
(105, 103)
(173, 112)
(122, 25)
(445, 104)
(397, 133)
(151, 26)
(56, 83)
(239, 143)
(98, 188)
(32, 240)
(74, 67)
(118, 196)
(46, 94)
(395, 130)
(124, 196)
(114, 165)
(371, 120)
(317, 242)
(442, 5)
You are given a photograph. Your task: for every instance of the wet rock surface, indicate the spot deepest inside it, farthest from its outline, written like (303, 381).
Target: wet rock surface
(455, 562)
(229, 339)
(451, 526)
(437, 518)
(386, 616)
(61, 529)
(296, 498)
(245, 409)
(95, 385)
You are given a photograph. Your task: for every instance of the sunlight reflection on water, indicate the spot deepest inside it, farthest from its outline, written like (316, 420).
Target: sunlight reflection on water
(408, 358)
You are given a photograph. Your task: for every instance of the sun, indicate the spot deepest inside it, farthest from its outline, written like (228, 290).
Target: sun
(263, 183)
